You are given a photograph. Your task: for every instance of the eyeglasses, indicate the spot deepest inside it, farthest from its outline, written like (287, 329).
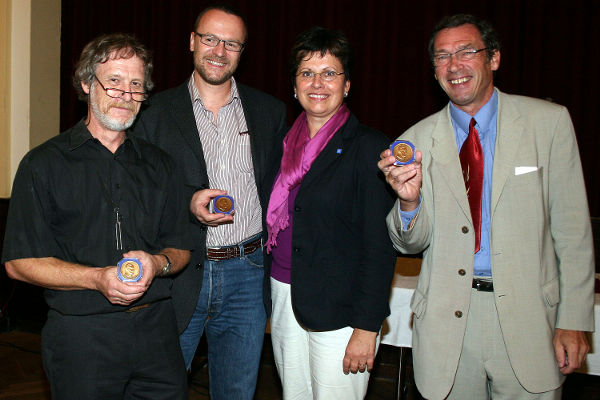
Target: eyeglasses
(118, 93)
(443, 59)
(327, 76)
(213, 41)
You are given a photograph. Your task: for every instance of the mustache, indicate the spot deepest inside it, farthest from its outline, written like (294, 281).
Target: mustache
(123, 104)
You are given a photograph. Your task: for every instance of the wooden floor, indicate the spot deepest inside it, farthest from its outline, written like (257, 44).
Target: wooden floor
(22, 376)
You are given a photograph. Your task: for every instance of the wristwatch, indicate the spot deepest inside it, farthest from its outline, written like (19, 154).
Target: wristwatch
(167, 267)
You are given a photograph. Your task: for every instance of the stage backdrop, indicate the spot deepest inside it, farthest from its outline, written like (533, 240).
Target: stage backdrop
(549, 50)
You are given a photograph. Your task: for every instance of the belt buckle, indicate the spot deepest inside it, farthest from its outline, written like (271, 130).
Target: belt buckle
(231, 252)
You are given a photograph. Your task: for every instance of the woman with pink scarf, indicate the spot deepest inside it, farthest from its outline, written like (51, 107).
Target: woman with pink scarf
(331, 261)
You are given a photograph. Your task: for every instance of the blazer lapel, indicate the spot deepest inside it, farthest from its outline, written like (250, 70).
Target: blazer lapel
(183, 115)
(252, 113)
(508, 136)
(445, 154)
(332, 151)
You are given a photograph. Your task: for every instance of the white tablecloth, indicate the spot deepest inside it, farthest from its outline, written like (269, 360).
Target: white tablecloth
(397, 328)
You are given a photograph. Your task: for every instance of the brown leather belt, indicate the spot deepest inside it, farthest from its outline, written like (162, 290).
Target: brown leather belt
(229, 252)
(483, 285)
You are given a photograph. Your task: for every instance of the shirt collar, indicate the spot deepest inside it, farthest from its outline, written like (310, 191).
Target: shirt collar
(80, 135)
(483, 117)
(233, 94)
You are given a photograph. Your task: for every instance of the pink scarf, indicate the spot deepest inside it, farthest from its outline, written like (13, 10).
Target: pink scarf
(299, 152)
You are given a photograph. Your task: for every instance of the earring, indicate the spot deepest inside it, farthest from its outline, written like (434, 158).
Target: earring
(295, 95)
(345, 94)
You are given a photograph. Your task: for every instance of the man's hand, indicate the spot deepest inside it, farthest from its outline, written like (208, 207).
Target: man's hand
(125, 293)
(117, 292)
(406, 180)
(199, 207)
(571, 348)
(360, 352)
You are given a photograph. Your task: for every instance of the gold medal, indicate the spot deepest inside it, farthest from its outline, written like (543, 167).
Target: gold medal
(129, 270)
(223, 204)
(403, 151)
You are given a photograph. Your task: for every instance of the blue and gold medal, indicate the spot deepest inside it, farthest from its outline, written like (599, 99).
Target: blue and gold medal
(222, 204)
(129, 270)
(403, 151)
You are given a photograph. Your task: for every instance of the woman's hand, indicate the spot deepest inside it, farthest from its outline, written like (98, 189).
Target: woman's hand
(360, 352)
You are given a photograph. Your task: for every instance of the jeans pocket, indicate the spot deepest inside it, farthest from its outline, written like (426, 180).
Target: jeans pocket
(255, 259)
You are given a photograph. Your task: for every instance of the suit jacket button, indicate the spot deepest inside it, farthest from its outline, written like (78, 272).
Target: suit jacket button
(199, 265)
(465, 229)
(458, 314)
(462, 272)
(297, 208)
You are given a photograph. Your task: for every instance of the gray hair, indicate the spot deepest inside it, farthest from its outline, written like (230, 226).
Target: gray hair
(105, 47)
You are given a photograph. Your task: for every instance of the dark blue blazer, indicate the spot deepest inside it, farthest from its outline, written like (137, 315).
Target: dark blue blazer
(168, 121)
(342, 257)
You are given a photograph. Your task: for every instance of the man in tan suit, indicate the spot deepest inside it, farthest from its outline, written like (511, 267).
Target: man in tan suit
(505, 318)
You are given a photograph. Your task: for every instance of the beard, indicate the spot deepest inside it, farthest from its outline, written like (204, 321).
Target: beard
(211, 79)
(107, 121)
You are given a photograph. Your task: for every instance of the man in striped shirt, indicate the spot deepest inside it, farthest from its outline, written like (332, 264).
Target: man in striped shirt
(221, 132)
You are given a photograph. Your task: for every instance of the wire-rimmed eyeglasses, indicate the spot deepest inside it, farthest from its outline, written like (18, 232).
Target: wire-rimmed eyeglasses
(443, 59)
(119, 93)
(328, 75)
(213, 41)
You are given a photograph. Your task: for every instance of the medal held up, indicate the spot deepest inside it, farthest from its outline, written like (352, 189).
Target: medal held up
(403, 151)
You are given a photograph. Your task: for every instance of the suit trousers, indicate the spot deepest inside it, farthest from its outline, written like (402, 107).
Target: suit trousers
(119, 355)
(484, 369)
(310, 363)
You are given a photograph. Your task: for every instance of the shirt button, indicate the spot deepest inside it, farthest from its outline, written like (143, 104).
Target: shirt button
(465, 229)
(462, 272)
(458, 314)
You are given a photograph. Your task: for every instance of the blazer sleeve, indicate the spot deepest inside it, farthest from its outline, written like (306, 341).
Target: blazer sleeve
(571, 229)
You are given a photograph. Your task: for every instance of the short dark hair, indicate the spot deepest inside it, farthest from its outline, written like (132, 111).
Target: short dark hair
(321, 40)
(487, 31)
(105, 47)
(227, 9)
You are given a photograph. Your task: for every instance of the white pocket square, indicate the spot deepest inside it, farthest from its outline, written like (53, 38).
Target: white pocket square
(524, 170)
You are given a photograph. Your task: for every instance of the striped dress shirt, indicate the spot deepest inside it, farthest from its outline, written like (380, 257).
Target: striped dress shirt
(226, 147)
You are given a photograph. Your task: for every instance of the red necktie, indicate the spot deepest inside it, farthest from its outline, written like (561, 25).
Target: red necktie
(471, 162)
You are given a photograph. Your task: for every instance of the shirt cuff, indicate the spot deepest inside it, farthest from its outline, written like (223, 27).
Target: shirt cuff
(407, 216)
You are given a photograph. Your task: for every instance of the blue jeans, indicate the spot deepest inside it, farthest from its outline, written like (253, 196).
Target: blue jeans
(230, 311)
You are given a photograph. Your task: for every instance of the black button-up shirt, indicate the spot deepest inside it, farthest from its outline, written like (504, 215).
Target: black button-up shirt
(64, 204)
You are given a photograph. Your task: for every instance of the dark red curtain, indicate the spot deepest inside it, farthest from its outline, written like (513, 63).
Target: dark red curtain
(549, 51)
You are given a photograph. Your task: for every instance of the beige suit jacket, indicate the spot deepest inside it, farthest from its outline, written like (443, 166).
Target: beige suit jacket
(541, 243)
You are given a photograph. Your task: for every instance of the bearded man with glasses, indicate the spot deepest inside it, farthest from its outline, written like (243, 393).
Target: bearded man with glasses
(97, 218)
(496, 202)
(222, 133)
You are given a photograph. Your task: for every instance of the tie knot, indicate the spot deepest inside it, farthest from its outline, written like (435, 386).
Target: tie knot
(472, 124)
